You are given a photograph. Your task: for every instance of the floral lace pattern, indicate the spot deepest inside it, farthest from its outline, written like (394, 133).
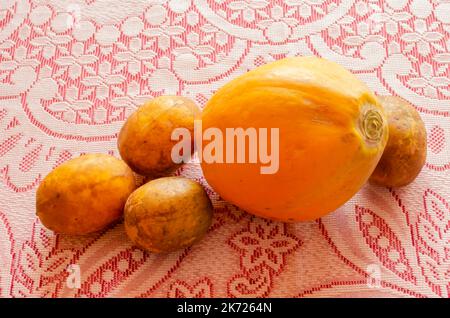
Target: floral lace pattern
(71, 72)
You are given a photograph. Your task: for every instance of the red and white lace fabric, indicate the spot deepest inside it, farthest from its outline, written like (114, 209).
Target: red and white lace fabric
(72, 71)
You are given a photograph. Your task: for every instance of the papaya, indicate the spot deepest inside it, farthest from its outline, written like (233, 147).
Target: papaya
(331, 133)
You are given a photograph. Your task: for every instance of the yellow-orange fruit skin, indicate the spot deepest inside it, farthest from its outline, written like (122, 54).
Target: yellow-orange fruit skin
(85, 194)
(406, 150)
(167, 214)
(332, 132)
(145, 139)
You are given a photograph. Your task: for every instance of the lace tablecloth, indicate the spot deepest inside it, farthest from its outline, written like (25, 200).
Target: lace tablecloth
(72, 71)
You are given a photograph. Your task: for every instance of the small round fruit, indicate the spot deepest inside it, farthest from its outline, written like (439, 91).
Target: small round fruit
(85, 194)
(167, 214)
(406, 150)
(145, 139)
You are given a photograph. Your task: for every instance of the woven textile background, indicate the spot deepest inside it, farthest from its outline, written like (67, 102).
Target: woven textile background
(72, 71)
